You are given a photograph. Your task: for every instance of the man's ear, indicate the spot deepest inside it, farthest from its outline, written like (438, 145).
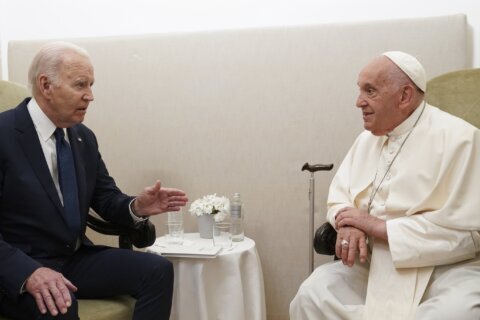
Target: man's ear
(44, 86)
(407, 96)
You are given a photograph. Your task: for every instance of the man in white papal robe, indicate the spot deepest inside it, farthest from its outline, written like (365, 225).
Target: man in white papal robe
(406, 206)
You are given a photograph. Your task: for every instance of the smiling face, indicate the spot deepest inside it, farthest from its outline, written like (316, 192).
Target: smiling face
(66, 97)
(380, 97)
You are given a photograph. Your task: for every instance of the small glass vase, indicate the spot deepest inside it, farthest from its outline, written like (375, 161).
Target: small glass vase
(205, 226)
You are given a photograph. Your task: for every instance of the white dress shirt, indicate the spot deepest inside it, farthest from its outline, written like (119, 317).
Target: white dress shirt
(45, 129)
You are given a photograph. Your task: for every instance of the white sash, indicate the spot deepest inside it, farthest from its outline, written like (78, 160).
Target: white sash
(393, 293)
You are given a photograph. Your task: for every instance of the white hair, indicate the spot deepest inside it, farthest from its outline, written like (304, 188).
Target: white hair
(398, 78)
(48, 59)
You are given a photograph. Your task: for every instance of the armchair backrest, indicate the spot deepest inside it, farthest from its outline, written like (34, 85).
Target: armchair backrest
(11, 94)
(457, 93)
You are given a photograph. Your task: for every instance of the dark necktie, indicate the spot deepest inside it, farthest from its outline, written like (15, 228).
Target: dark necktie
(68, 181)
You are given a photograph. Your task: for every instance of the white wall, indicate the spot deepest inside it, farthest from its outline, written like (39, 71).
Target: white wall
(33, 19)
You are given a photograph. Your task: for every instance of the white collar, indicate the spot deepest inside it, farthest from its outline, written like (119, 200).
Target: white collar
(408, 123)
(45, 127)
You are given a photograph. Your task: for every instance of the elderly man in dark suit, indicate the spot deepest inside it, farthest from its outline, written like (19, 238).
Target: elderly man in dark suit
(51, 173)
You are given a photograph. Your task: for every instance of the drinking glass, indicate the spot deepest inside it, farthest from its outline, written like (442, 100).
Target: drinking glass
(174, 227)
(222, 234)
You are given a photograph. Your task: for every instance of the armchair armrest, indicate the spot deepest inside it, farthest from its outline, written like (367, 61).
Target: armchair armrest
(140, 236)
(324, 239)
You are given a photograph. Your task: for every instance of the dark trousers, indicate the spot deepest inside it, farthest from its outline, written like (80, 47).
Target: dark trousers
(100, 272)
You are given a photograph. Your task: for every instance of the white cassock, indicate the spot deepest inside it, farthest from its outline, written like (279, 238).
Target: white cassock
(430, 199)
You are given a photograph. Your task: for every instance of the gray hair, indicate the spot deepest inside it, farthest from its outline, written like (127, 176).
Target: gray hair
(48, 59)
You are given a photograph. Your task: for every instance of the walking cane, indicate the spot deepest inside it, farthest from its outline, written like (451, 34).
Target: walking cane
(311, 196)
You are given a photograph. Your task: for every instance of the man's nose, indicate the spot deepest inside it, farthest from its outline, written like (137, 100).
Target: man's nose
(89, 95)
(361, 102)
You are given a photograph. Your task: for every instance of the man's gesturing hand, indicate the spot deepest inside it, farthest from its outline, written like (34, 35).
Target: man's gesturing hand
(155, 200)
(50, 290)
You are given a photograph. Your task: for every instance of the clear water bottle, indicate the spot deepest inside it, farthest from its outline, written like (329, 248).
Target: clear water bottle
(236, 216)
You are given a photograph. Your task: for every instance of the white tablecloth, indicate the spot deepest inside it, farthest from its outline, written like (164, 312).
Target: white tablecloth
(228, 287)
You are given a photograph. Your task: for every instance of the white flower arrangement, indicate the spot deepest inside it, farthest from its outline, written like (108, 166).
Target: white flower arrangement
(219, 206)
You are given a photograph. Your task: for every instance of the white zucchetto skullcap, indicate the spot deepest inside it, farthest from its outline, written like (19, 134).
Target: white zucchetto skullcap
(411, 66)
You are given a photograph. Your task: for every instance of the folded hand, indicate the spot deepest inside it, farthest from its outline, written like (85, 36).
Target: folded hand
(361, 220)
(350, 242)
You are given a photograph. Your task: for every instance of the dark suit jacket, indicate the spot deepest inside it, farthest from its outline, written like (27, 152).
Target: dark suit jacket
(33, 229)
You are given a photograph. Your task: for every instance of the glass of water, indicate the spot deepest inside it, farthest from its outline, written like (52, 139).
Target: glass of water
(222, 234)
(174, 227)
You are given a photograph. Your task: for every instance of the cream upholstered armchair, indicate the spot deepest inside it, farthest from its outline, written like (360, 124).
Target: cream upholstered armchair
(11, 94)
(116, 308)
(456, 92)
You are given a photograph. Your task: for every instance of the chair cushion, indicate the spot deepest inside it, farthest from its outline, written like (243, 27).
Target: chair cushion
(117, 308)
